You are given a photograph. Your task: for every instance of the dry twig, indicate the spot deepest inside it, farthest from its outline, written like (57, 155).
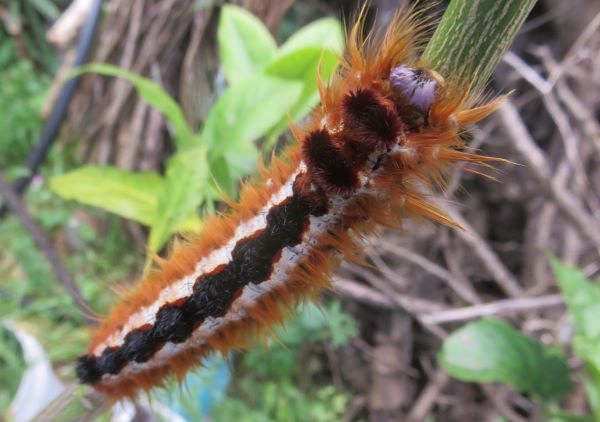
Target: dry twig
(463, 290)
(495, 308)
(41, 241)
(505, 279)
(521, 139)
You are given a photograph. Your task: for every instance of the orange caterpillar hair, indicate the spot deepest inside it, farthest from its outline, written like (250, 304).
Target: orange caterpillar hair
(386, 127)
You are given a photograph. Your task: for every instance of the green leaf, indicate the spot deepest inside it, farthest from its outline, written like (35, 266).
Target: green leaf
(325, 34)
(301, 65)
(127, 194)
(183, 191)
(46, 8)
(241, 160)
(12, 364)
(191, 224)
(342, 327)
(592, 391)
(582, 297)
(245, 44)
(219, 170)
(243, 114)
(557, 415)
(155, 96)
(490, 350)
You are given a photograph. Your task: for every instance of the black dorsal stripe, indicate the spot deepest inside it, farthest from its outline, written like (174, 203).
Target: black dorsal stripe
(252, 262)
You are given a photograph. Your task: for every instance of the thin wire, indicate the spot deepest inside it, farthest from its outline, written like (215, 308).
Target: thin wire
(52, 126)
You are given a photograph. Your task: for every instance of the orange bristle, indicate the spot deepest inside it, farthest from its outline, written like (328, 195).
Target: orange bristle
(364, 159)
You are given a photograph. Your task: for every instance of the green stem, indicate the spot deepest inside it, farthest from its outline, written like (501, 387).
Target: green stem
(472, 37)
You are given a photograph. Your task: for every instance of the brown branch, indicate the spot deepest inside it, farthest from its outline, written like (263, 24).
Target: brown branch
(493, 308)
(497, 395)
(414, 306)
(522, 141)
(556, 113)
(569, 59)
(42, 242)
(502, 275)
(363, 294)
(462, 289)
(429, 395)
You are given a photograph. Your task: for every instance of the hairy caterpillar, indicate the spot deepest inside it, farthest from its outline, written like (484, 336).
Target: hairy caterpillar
(386, 127)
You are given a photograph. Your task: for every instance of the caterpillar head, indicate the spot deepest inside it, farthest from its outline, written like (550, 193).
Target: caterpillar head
(374, 119)
(419, 87)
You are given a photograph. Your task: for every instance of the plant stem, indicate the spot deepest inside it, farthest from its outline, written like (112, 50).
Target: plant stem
(472, 37)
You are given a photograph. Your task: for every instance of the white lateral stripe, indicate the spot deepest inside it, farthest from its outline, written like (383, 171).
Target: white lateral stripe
(184, 287)
(251, 293)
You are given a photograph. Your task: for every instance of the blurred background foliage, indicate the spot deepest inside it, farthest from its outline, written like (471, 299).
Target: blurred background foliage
(165, 123)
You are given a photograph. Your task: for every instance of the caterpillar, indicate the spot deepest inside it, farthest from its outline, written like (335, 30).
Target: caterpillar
(387, 128)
